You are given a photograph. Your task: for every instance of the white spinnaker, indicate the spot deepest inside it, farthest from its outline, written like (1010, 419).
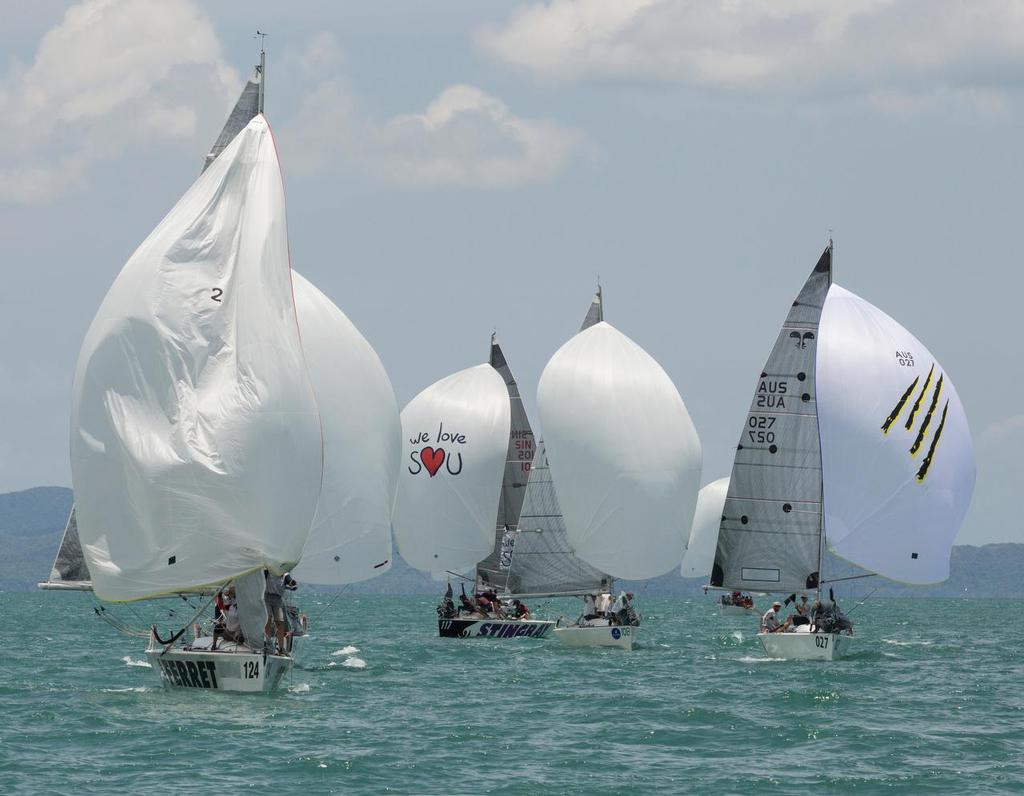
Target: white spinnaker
(350, 539)
(624, 455)
(895, 499)
(448, 487)
(196, 450)
(700, 552)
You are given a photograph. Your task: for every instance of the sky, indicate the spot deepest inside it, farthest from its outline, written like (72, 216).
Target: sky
(457, 168)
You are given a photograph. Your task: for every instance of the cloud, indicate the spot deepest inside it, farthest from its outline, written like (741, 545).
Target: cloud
(465, 137)
(899, 48)
(112, 74)
(997, 432)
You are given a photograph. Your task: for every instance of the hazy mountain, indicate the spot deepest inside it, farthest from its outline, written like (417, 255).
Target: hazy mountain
(32, 521)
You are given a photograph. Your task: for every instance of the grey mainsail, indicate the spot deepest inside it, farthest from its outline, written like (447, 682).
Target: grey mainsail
(69, 570)
(494, 568)
(250, 103)
(770, 537)
(541, 559)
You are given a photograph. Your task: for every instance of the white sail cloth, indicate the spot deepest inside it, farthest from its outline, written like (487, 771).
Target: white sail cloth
(350, 539)
(624, 454)
(196, 451)
(454, 441)
(700, 552)
(897, 459)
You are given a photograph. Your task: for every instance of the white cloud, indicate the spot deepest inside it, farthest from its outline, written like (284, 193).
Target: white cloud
(112, 74)
(997, 432)
(467, 137)
(896, 48)
(464, 137)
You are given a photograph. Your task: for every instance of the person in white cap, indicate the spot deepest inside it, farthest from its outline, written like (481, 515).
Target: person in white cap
(770, 621)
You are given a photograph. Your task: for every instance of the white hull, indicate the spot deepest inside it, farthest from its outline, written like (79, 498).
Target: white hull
(231, 667)
(493, 628)
(736, 610)
(601, 636)
(806, 646)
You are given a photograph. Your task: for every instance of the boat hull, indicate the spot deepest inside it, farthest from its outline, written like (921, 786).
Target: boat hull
(493, 628)
(806, 646)
(235, 671)
(602, 636)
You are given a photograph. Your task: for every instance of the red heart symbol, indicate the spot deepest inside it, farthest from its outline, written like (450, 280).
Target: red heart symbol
(432, 459)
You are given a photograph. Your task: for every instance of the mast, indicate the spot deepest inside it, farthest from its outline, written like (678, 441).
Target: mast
(262, 70)
(821, 472)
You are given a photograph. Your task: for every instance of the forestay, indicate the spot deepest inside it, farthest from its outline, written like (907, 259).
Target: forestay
(897, 456)
(195, 439)
(454, 442)
(700, 552)
(623, 452)
(519, 457)
(770, 533)
(351, 535)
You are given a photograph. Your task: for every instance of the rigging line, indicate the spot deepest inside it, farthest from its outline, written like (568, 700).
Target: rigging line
(851, 577)
(858, 605)
(331, 603)
(187, 624)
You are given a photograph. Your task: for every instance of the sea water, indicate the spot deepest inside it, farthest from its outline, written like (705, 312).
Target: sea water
(931, 701)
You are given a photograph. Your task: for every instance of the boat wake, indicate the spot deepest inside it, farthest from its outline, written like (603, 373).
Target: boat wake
(301, 688)
(349, 650)
(752, 659)
(908, 643)
(129, 662)
(354, 663)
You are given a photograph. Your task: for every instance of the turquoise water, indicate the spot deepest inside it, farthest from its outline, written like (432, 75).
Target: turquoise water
(930, 703)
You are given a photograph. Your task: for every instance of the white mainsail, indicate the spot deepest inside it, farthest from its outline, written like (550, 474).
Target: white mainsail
(841, 451)
(196, 450)
(624, 454)
(350, 539)
(455, 438)
(700, 552)
(896, 452)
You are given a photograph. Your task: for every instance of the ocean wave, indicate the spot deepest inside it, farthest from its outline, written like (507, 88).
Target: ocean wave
(300, 688)
(349, 650)
(908, 643)
(354, 663)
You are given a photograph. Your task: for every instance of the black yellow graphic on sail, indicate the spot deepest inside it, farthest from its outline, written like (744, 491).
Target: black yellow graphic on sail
(926, 421)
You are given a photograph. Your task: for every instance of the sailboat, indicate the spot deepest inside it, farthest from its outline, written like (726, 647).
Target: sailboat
(461, 465)
(700, 552)
(199, 452)
(625, 459)
(856, 443)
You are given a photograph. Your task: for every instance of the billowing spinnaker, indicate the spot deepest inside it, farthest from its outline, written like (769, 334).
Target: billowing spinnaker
(897, 459)
(624, 454)
(454, 440)
(700, 552)
(351, 535)
(195, 439)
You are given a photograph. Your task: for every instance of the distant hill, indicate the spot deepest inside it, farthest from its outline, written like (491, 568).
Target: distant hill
(32, 521)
